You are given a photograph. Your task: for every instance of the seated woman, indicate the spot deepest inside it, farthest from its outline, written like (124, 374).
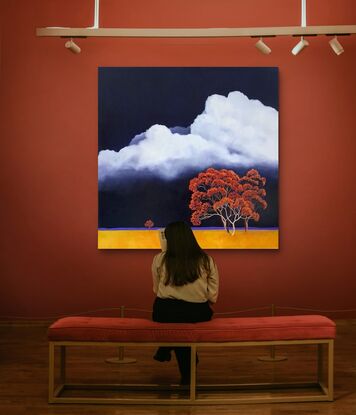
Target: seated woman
(186, 282)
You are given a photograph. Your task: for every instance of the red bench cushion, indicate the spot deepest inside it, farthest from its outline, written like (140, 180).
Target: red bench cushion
(103, 329)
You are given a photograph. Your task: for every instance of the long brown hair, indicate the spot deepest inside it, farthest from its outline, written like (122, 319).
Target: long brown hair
(184, 260)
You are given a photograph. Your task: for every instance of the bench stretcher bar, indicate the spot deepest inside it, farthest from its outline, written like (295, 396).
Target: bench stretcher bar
(326, 389)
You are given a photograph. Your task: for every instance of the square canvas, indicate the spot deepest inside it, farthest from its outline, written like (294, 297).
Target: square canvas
(194, 144)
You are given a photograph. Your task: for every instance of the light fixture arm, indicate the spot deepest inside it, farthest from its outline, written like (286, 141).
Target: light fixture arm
(96, 14)
(304, 14)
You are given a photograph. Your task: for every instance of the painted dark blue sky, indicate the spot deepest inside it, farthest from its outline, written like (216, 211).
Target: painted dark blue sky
(131, 100)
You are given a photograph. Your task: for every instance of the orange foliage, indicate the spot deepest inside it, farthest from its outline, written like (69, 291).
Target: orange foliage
(225, 194)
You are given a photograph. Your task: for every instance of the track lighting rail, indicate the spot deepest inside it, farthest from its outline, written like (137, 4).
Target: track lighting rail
(197, 32)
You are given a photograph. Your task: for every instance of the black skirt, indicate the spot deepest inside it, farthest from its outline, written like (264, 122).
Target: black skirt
(168, 310)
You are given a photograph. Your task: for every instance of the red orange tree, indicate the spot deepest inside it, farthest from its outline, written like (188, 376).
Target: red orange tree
(149, 224)
(216, 193)
(253, 196)
(225, 194)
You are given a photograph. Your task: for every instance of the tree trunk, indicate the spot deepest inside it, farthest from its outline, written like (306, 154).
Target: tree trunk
(246, 225)
(223, 220)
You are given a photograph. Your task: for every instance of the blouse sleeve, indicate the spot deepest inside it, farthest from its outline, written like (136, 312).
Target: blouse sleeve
(213, 282)
(155, 276)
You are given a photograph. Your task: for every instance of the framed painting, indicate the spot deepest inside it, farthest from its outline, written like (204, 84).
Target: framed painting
(198, 144)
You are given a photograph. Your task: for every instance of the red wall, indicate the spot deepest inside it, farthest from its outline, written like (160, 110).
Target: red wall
(49, 261)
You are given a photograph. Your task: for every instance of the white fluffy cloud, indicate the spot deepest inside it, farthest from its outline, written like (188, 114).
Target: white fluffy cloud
(232, 131)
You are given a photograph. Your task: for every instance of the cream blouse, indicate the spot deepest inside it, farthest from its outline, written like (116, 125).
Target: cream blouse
(205, 288)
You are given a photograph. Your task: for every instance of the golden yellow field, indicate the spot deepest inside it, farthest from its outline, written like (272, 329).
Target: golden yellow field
(208, 239)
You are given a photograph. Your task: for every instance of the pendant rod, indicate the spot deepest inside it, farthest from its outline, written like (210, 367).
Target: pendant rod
(304, 13)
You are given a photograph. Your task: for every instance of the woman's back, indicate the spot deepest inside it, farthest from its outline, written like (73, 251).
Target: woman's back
(204, 288)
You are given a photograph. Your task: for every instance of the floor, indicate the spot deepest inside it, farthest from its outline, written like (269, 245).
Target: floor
(24, 360)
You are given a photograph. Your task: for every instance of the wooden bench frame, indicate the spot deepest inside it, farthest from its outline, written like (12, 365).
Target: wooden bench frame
(325, 394)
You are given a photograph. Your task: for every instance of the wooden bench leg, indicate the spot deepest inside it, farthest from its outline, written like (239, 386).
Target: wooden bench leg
(326, 381)
(331, 369)
(51, 373)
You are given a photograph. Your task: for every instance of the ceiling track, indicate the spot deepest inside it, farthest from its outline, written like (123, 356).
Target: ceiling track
(197, 32)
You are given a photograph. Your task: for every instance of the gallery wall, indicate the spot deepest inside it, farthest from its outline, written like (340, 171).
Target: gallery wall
(49, 261)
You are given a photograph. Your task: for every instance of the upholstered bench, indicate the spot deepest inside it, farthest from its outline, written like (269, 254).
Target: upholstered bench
(219, 332)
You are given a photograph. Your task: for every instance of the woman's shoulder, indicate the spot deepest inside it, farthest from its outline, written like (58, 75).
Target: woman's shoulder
(158, 258)
(212, 262)
(211, 259)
